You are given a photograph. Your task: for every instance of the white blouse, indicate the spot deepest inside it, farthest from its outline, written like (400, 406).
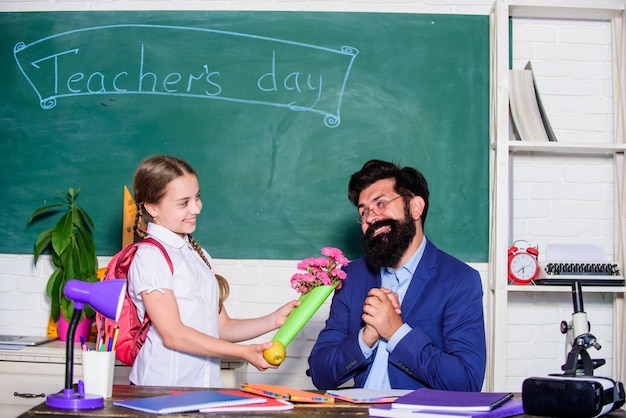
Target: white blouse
(197, 293)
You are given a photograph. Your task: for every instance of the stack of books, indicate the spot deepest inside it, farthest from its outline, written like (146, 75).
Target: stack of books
(529, 119)
(433, 403)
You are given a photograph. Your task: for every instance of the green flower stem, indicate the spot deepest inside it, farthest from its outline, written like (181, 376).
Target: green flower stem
(309, 304)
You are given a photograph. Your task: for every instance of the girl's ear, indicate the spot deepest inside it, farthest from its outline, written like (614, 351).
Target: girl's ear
(150, 209)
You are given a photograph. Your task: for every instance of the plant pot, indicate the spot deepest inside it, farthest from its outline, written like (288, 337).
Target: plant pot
(83, 329)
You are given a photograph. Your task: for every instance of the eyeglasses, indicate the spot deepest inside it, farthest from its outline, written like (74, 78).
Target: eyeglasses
(377, 209)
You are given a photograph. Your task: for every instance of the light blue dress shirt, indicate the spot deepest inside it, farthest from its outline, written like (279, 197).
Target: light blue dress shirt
(398, 281)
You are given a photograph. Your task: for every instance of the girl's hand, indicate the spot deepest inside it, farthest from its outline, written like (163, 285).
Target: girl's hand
(254, 356)
(281, 314)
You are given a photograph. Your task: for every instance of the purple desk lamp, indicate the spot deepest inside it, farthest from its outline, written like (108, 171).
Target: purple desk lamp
(105, 297)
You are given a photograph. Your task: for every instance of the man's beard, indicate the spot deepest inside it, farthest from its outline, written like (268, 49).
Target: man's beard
(387, 248)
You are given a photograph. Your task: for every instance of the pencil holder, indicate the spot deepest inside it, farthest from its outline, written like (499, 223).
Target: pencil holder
(98, 370)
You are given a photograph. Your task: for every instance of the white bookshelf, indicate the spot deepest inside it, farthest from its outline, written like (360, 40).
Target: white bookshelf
(562, 148)
(502, 159)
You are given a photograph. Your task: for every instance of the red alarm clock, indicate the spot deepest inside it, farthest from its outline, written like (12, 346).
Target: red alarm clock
(523, 264)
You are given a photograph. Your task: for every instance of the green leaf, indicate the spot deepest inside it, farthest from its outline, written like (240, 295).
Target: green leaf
(88, 266)
(87, 254)
(54, 290)
(67, 307)
(55, 309)
(77, 218)
(86, 219)
(78, 265)
(65, 259)
(62, 233)
(42, 242)
(89, 312)
(69, 196)
(73, 194)
(45, 209)
(52, 287)
(56, 260)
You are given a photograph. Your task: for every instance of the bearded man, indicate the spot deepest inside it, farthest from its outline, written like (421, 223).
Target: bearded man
(408, 315)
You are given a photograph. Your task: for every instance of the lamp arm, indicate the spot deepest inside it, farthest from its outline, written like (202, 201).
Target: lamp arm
(69, 348)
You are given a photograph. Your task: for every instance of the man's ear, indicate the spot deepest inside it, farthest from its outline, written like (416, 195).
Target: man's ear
(417, 207)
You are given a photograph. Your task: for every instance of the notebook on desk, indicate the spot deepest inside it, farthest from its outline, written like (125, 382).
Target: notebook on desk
(24, 340)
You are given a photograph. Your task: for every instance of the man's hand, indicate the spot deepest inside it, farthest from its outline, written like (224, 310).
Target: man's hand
(393, 297)
(381, 311)
(369, 335)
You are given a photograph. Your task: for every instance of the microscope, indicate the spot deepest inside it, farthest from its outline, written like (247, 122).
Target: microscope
(579, 339)
(576, 393)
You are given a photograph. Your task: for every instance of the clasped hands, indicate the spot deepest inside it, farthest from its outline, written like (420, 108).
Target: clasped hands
(381, 314)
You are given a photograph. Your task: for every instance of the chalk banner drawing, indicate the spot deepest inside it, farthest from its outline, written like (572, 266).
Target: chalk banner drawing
(187, 62)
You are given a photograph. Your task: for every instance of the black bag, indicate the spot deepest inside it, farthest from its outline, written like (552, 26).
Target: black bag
(571, 397)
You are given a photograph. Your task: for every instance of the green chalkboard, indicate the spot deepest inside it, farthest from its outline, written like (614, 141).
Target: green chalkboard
(275, 110)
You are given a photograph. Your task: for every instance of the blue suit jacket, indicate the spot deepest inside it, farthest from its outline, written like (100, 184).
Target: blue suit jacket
(446, 348)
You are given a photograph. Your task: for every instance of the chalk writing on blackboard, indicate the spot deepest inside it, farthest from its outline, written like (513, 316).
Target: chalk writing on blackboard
(187, 62)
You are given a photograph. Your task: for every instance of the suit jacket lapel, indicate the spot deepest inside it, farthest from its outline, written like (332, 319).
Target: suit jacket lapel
(422, 275)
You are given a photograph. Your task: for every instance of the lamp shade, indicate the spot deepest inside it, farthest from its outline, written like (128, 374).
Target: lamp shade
(106, 297)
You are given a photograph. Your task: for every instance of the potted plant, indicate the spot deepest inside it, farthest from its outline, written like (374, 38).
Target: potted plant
(71, 245)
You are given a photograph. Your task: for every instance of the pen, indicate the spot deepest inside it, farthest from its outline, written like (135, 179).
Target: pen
(100, 330)
(106, 339)
(83, 346)
(117, 330)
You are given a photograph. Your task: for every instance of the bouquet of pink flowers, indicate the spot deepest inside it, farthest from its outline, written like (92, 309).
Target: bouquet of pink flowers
(318, 278)
(320, 271)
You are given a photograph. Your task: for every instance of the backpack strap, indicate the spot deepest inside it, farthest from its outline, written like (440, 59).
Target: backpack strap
(151, 241)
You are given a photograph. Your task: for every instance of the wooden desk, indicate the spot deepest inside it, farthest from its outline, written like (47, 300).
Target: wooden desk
(339, 409)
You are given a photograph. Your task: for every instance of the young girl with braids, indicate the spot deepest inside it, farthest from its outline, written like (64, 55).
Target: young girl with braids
(190, 329)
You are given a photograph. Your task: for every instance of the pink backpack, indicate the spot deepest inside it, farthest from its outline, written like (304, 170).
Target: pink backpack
(132, 333)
